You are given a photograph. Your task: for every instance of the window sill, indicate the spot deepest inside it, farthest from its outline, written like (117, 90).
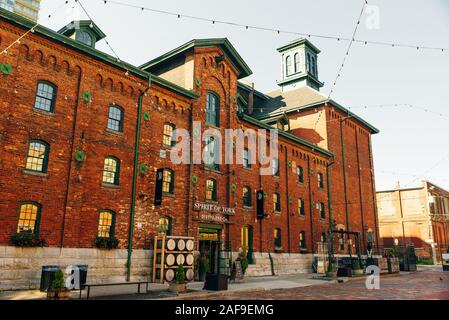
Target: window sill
(247, 207)
(212, 170)
(35, 173)
(118, 133)
(213, 126)
(278, 213)
(166, 194)
(303, 216)
(211, 201)
(303, 250)
(45, 113)
(110, 185)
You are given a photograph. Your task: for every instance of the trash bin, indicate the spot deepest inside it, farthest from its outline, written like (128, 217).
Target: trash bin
(47, 276)
(83, 275)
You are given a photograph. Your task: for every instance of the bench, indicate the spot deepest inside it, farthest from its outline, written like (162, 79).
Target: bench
(88, 286)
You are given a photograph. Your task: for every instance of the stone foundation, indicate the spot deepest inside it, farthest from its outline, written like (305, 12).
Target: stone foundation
(20, 268)
(283, 263)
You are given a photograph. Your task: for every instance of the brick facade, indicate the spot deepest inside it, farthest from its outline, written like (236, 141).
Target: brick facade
(71, 194)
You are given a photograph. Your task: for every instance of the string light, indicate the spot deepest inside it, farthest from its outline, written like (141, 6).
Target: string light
(277, 30)
(395, 105)
(430, 169)
(31, 30)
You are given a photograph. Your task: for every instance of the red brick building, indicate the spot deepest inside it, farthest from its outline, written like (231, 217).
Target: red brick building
(82, 135)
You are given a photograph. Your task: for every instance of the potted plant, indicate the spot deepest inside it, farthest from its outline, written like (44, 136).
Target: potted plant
(106, 243)
(358, 270)
(27, 238)
(243, 261)
(58, 291)
(179, 285)
(331, 270)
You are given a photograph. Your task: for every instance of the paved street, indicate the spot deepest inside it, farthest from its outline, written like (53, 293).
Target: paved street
(429, 283)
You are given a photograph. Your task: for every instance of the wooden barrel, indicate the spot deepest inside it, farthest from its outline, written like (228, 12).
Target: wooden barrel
(181, 245)
(169, 275)
(190, 274)
(190, 245)
(190, 259)
(171, 244)
(180, 259)
(170, 259)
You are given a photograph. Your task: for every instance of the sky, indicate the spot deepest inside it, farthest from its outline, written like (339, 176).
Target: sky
(412, 144)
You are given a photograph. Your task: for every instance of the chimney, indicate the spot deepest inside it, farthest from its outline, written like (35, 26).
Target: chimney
(398, 185)
(251, 99)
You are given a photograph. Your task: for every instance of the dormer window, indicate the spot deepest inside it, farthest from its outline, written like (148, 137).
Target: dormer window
(84, 37)
(83, 31)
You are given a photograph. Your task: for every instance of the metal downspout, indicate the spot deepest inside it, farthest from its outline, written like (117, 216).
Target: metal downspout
(134, 184)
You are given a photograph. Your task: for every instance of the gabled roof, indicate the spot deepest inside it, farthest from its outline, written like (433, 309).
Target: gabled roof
(228, 49)
(299, 99)
(27, 24)
(298, 42)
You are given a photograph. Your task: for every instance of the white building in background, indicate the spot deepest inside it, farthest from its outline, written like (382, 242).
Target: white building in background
(26, 8)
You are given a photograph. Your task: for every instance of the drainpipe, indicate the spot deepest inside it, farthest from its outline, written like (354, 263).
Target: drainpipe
(72, 147)
(310, 202)
(331, 236)
(344, 173)
(288, 203)
(134, 184)
(360, 189)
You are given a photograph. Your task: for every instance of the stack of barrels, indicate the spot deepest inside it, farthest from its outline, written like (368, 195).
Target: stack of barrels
(170, 252)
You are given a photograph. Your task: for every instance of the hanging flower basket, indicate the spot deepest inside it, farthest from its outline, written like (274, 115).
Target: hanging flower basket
(146, 116)
(194, 179)
(87, 97)
(80, 156)
(143, 169)
(5, 69)
(233, 187)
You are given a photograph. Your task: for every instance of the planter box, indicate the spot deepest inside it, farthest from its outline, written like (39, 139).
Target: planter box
(216, 282)
(58, 295)
(177, 287)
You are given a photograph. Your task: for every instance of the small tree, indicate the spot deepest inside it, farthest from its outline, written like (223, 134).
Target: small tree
(180, 275)
(58, 282)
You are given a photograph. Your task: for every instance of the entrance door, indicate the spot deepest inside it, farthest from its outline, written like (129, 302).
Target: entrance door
(208, 247)
(247, 242)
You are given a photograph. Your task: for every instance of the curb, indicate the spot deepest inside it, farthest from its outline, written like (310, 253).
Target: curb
(208, 294)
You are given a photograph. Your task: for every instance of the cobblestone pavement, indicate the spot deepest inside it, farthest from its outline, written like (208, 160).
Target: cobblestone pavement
(427, 284)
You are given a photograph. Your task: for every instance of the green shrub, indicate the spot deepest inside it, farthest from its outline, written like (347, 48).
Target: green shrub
(356, 265)
(425, 261)
(58, 282)
(180, 275)
(244, 263)
(106, 243)
(27, 239)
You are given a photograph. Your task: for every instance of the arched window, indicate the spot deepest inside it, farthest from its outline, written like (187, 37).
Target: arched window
(275, 167)
(322, 210)
(302, 240)
(84, 37)
(212, 150)
(314, 66)
(300, 174)
(106, 224)
(166, 225)
(277, 202)
(213, 109)
(247, 199)
(168, 138)
(111, 171)
(115, 118)
(320, 180)
(37, 156)
(301, 207)
(277, 238)
(297, 65)
(29, 218)
(211, 190)
(308, 63)
(288, 65)
(168, 182)
(45, 96)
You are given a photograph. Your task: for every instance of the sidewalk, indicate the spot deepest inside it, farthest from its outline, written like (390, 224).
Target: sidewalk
(159, 291)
